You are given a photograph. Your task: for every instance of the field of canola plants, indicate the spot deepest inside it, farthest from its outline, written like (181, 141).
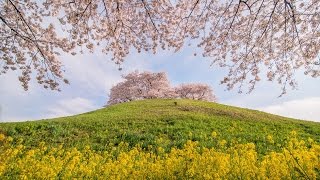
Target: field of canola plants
(156, 139)
(298, 160)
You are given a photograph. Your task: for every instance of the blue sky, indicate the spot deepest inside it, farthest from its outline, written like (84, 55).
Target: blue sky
(92, 75)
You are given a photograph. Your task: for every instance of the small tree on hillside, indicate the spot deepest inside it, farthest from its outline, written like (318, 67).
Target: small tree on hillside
(137, 86)
(196, 91)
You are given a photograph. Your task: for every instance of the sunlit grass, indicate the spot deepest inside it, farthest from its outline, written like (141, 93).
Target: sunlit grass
(144, 122)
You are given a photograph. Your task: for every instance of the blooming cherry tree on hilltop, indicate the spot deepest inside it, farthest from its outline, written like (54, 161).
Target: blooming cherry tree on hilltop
(148, 85)
(145, 85)
(196, 91)
(248, 37)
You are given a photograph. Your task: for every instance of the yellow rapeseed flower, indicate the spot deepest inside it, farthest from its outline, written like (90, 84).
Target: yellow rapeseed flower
(2, 137)
(214, 134)
(297, 159)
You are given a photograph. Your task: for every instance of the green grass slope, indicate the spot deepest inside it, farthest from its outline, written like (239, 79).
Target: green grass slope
(149, 122)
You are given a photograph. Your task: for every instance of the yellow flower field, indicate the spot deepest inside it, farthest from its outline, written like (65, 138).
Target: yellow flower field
(297, 160)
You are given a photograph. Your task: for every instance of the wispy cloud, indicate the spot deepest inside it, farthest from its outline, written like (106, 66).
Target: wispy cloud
(67, 107)
(306, 108)
(92, 76)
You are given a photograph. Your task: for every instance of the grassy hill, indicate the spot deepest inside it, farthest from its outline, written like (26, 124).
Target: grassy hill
(150, 122)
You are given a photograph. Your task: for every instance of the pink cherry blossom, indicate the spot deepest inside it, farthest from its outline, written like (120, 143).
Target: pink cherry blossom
(148, 85)
(253, 39)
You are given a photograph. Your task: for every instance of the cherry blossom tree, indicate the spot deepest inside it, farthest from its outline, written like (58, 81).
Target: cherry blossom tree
(120, 93)
(148, 85)
(27, 46)
(116, 26)
(195, 91)
(251, 38)
(137, 86)
(276, 37)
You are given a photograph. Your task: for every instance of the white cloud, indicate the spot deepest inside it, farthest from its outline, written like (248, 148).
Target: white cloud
(91, 76)
(91, 73)
(96, 73)
(67, 107)
(306, 108)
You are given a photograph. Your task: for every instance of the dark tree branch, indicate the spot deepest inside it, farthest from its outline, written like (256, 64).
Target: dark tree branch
(148, 13)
